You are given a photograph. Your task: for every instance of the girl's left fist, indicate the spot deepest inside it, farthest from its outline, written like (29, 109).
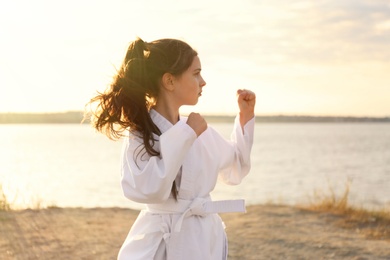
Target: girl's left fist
(246, 101)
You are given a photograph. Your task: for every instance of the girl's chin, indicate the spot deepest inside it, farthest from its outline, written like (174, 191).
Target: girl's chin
(192, 102)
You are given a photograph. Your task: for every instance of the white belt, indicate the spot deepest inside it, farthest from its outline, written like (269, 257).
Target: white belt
(198, 207)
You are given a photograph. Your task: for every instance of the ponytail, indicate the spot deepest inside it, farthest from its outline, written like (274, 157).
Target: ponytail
(126, 103)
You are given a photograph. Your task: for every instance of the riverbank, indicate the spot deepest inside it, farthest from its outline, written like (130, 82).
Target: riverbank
(264, 232)
(76, 117)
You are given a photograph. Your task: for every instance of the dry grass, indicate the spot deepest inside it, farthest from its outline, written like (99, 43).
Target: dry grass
(4, 203)
(374, 224)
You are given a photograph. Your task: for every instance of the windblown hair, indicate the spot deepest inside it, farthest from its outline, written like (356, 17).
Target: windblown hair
(125, 105)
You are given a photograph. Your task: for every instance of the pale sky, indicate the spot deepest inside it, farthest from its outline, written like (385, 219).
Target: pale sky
(325, 57)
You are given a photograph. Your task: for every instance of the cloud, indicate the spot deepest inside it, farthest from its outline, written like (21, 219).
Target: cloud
(281, 31)
(330, 31)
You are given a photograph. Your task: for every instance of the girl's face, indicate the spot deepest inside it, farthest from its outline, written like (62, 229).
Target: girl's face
(188, 86)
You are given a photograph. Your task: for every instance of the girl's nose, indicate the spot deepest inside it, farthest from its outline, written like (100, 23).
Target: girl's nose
(202, 83)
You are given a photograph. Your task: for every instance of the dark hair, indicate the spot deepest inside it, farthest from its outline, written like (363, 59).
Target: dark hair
(126, 103)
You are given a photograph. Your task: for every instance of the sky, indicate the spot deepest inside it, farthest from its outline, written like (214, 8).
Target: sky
(324, 57)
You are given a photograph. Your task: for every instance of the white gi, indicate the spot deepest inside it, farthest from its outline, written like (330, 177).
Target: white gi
(188, 228)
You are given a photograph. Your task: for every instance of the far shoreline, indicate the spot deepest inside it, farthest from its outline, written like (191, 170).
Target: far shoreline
(76, 117)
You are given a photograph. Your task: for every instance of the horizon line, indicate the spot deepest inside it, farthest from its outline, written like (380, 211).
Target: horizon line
(279, 114)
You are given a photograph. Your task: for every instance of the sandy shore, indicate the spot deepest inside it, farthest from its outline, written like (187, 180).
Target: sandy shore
(264, 232)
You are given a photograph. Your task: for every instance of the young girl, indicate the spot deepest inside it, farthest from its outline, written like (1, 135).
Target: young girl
(171, 163)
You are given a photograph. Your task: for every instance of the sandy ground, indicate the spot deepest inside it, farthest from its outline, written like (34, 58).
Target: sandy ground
(264, 232)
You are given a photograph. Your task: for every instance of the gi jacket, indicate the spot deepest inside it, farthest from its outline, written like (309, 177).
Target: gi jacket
(189, 227)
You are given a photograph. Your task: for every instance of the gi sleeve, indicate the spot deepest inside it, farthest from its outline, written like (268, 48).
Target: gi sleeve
(235, 161)
(149, 179)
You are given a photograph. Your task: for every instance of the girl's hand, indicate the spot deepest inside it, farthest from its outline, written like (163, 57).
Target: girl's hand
(197, 123)
(246, 100)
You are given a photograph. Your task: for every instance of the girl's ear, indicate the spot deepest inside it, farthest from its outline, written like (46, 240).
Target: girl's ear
(168, 81)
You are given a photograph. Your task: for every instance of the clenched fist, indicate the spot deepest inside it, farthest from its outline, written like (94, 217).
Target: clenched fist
(246, 100)
(197, 123)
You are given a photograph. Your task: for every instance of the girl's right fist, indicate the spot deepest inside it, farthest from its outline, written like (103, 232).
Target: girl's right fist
(197, 123)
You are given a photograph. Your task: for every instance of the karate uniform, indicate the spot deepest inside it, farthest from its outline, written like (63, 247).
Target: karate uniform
(190, 227)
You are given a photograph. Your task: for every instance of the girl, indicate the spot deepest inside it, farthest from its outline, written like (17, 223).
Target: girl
(171, 163)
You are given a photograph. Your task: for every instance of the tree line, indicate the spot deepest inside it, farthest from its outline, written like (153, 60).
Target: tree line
(76, 117)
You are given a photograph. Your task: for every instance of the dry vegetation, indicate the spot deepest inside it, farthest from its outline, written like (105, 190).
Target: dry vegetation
(329, 228)
(4, 204)
(375, 224)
